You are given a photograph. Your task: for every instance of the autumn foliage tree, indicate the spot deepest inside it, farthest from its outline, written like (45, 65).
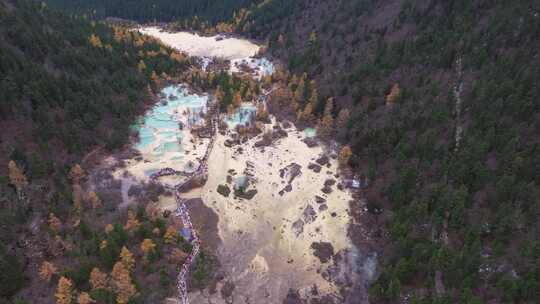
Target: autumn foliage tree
(54, 223)
(64, 292)
(393, 96)
(148, 247)
(171, 235)
(126, 257)
(177, 256)
(326, 125)
(95, 41)
(98, 279)
(16, 176)
(344, 156)
(77, 197)
(109, 228)
(47, 270)
(84, 298)
(132, 222)
(122, 284)
(94, 200)
(76, 173)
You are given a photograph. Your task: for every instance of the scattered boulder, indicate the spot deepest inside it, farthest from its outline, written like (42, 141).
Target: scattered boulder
(316, 168)
(298, 227)
(323, 207)
(291, 171)
(192, 183)
(224, 190)
(286, 124)
(287, 188)
(310, 142)
(327, 189)
(279, 134)
(319, 200)
(231, 142)
(330, 182)
(323, 160)
(309, 215)
(246, 194)
(323, 250)
(264, 142)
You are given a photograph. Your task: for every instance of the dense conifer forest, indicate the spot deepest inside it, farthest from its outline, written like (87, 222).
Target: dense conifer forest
(149, 11)
(67, 87)
(438, 101)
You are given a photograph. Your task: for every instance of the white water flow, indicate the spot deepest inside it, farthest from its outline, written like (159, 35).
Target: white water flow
(266, 242)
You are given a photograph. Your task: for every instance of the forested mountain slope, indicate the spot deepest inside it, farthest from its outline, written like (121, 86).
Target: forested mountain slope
(154, 10)
(444, 111)
(67, 86)
(440, 103)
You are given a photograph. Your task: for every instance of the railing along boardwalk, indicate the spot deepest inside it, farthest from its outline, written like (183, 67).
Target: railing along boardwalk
(181, 208)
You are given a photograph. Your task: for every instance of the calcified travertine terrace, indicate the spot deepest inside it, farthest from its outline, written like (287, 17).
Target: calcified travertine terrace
(259, 252)
(201, 46)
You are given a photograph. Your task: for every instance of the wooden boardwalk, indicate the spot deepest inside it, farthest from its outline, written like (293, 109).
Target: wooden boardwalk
(181, 208)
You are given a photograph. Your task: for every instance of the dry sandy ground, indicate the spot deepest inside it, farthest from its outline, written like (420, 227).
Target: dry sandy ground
(260, 253)
(195, 45)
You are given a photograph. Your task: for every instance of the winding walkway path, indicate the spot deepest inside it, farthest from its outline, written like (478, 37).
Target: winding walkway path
(182, 210)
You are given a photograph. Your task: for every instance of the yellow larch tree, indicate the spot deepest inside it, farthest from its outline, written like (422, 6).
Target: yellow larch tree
(171, 235)
(94, 200)
(47, 270)
(155, 77)
(344, 155)
(326, 124)
(109, 228)
(95, 41)
(16, 176)
(299, 92)
(84, 298)
(177, 56)
(177, 256)
(147, 247)
(126, 257)
(307, 114)
(122, 284)
(141, 66)
(77, 197)
(132, 222)
(237, 100)
(103, 244)
(54, 223)
(262, 113)
(76, 173)
(314, 97)
(98, 279)
(393, 96)
(343, 118)
(64, 292)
